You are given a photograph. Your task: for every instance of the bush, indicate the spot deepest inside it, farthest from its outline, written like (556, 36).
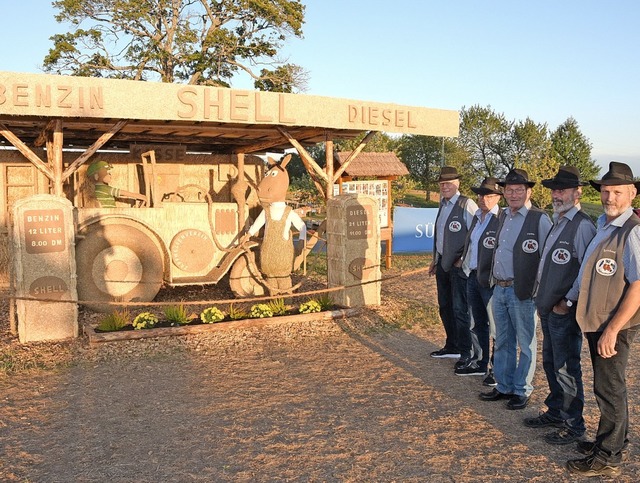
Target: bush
(115, 321)
(176, 314)
(278, 307)
(145, 320)
(309, 307)
(237, 313)
(259, 311)
(211, 315)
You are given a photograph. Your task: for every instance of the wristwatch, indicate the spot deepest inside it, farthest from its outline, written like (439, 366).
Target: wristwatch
(568, 302)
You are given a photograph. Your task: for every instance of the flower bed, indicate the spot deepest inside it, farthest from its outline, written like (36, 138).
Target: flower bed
(164, 328)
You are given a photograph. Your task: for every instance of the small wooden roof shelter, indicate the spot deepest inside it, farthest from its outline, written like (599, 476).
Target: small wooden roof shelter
(373, 164)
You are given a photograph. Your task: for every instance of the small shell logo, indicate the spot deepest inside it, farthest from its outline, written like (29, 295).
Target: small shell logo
(489, 242)
(530, 246)
(606, 267)
(455, 226)
(561, 256)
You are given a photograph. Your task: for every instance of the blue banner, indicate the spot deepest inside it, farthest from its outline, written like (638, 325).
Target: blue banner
(413, 229)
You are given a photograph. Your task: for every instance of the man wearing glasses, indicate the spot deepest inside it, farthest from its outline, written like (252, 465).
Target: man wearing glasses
(523, 230)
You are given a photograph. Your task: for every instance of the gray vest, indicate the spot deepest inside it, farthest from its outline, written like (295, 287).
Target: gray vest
(526, 254)
(455, 232)
(486, 247)
(561, 266)
(603, 283)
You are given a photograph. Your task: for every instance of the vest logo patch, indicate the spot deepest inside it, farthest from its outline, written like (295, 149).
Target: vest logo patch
(489, 243)
(530, 246)
(561, 256)
(455, 226)
(606, 267)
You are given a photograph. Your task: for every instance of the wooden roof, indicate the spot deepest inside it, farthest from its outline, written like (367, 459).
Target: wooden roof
(119, 113)
(373, 164)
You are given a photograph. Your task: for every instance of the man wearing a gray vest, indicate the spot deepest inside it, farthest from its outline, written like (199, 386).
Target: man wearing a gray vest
(562, 255)
(477, 258)
(452, 224)
(523, 230)
(607, 291)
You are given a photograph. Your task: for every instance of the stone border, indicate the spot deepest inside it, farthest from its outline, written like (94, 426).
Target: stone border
(99, 337)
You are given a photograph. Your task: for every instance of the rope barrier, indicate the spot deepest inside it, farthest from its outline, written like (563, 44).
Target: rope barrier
(13, 296)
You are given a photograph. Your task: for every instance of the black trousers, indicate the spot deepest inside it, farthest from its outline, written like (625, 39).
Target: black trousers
(610, 389)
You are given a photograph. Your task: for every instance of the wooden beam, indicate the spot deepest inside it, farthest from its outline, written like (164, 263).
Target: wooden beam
(308, 161)
(353, 155)
(329, 167)
(102, 140)
(26, 152)
(44, 135)
(54, 156)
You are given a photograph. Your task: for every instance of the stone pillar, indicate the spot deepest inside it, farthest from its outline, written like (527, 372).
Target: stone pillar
(45, 268)
(353, 249)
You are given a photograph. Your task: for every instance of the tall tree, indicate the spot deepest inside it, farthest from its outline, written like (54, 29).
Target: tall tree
(204, 42)
(572, 148)
(486, 136)
(424, 156)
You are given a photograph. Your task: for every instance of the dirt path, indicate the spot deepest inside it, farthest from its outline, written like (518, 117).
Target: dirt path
(356, 400)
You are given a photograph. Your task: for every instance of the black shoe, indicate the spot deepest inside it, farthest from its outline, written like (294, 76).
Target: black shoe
(445, 353)
(462, 362)
(494, 395)
(588, 447)
(543, 421)
(470, 369)
(593, 465)
(518, 402)
(562, 436)
(489, 380)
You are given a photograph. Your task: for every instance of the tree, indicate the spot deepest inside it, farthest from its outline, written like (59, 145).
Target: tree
(486, 137)
(572, 148)
(204, 42)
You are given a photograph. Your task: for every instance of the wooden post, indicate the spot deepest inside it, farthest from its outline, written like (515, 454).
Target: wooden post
(329, 167)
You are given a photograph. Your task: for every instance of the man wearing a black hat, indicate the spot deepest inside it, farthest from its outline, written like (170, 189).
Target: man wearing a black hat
(562, 255)
(607, 291)
(452, 224)
(523, 229)
(478, 254)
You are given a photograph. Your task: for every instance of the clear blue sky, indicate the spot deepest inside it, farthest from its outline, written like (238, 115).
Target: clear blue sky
(546, 60)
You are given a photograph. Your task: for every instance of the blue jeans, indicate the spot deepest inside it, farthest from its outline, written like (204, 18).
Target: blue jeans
(454, 311)
(515, 329)
(478, 298)
(561, 348)
(610, 389)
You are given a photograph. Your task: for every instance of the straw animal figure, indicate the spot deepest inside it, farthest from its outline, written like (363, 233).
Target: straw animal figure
(276, 249)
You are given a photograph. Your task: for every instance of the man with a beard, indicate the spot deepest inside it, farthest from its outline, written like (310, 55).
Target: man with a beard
(452, 223)
(607, 291)
(523, 229)
(562, 339)
(478, 254)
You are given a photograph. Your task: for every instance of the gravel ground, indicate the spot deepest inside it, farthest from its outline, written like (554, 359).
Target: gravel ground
(345, 400)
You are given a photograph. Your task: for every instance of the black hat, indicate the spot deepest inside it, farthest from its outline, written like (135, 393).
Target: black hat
(618, 174)
(448, 173)
(489, 186)
(517, 176)
(567, 177)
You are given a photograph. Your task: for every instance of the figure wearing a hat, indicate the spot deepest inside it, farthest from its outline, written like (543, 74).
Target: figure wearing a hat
(97, 191)
(477, 257)
(562, 255)
(452, 224)
(607, 290)
(519, 241)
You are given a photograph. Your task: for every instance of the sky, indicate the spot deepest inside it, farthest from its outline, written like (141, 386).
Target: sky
(546, 60)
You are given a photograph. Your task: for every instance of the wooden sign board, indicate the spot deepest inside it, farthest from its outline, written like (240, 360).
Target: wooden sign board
(46, 95)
